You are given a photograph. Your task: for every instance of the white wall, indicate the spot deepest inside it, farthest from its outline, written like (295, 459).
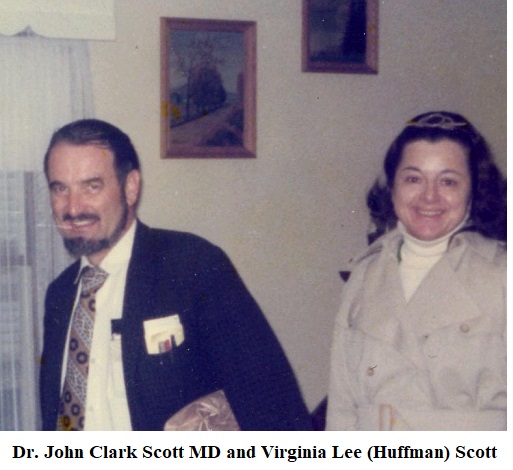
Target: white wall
(290, 218)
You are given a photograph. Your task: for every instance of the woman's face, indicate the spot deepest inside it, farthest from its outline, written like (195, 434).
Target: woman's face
(432, 186)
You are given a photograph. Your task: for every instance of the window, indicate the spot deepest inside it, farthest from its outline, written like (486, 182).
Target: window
(46, 85)
(18, 338)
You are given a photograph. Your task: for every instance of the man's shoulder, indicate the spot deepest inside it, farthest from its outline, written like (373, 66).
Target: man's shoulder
(178, 255)
(181, 249)
(159, 238)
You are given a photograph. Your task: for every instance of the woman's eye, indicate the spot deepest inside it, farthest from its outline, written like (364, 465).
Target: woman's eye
(411, 179)
(449, 182)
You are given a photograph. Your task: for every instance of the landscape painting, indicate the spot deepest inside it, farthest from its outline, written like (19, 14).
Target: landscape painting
(208, 88)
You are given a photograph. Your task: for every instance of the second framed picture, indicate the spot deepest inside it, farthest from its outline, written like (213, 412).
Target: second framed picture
(208, 88)
(340, 36)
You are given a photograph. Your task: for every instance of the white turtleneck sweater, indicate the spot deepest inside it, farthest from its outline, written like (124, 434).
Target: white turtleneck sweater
(417, 257)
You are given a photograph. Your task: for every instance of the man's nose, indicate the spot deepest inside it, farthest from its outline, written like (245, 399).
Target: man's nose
(74, 203)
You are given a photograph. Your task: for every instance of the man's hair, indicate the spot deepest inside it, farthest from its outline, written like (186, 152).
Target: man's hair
(488, 197)
(102, 134)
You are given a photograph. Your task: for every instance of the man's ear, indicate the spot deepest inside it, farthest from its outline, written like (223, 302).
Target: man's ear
(133, 187)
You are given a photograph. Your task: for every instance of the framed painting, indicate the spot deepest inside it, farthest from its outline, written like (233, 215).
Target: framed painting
(340, 36)
(208, 88)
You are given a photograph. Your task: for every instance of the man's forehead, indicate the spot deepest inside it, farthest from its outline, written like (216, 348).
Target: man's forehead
(66, 157)
(83, 147)
(78, 152)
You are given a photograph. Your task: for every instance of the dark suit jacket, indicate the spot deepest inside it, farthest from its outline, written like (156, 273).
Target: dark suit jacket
(228, 343)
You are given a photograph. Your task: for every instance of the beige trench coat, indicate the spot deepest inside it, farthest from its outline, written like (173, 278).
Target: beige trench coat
(437, 362)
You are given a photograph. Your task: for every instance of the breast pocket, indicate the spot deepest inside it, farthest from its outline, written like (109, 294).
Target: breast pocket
(163, 334)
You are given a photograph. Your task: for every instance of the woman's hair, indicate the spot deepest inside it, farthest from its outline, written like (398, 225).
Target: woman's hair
(488, 197)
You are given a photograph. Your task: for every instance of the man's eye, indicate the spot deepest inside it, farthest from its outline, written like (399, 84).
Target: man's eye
(57, 188)
(94, 186)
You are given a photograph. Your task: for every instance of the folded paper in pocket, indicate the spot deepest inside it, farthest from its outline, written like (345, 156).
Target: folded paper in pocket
(162, 334)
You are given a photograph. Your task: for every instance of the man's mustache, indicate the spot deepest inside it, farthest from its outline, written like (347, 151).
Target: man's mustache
(80, 218)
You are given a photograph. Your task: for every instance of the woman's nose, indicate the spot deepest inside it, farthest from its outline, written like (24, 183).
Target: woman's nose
(430, 192)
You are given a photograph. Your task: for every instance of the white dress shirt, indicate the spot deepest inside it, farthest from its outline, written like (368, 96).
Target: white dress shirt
(107, 406)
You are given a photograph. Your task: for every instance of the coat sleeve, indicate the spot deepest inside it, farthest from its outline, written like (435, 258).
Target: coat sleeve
(345, 351)
(248, 360)
(341, 414)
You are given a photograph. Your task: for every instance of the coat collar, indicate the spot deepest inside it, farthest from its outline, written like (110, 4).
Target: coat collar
(383, 301)
(459, 242)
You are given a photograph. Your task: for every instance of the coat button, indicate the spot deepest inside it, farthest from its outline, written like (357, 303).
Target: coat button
(464, 328)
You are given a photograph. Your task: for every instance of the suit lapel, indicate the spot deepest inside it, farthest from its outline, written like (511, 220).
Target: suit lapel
(138, 300)
(64, 307)
(58, 313)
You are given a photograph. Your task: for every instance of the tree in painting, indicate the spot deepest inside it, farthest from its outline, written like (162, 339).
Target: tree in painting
(199, 65)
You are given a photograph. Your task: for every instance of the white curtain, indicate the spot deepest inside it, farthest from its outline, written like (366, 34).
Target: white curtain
(44, 84)
(71, 19)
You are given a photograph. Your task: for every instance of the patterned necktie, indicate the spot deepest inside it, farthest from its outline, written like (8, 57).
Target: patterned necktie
(73, 398)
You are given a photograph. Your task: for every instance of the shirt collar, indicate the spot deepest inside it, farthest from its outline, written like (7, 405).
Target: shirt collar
(118, 255)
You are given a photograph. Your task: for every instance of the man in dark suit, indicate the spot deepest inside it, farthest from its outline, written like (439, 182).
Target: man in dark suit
(174, 321)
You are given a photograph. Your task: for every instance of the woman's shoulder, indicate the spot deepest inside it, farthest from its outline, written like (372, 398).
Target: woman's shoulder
(487, 250)
(390, 242)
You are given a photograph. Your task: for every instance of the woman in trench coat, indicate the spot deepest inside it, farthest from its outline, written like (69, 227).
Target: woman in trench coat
(420, 339)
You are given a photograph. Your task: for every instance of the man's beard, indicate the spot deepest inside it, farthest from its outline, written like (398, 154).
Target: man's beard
(81, 246)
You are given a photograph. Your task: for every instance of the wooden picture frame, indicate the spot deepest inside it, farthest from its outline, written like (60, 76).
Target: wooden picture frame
(208, 88)
(340, 36)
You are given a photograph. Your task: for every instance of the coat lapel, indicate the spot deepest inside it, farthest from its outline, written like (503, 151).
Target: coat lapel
(440, 301)
(138, 301)
(382, 300)
(436, 304)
